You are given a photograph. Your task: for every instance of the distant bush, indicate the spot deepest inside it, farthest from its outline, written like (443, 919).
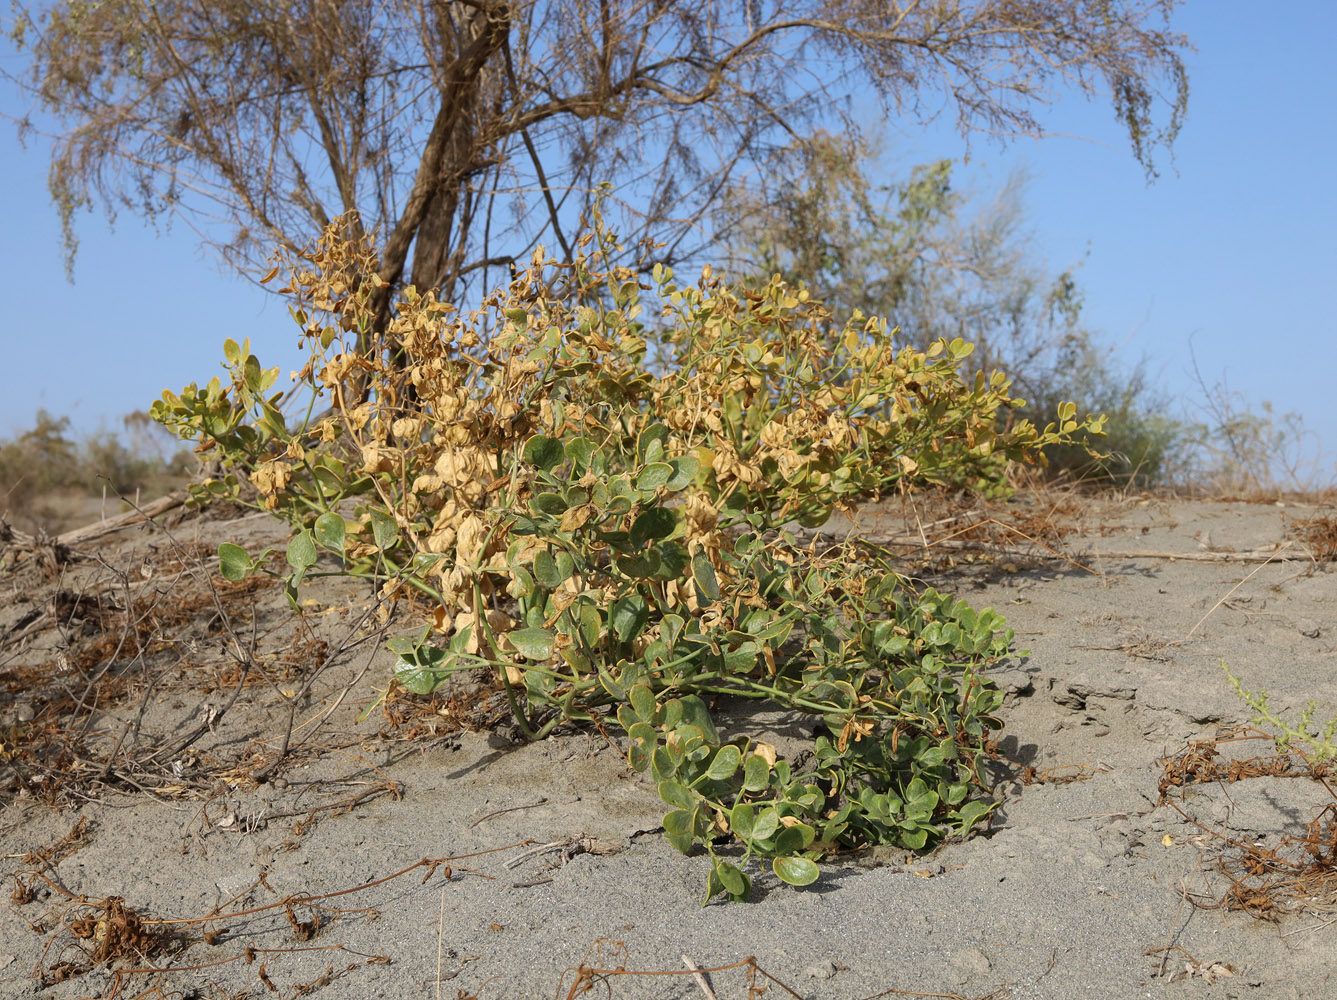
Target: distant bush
(1236, 449)
(1142, 446)
(47, 462)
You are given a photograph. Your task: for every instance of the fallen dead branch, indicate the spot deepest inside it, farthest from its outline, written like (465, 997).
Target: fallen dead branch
(998, 994)
(61, 549)
(1081, 558)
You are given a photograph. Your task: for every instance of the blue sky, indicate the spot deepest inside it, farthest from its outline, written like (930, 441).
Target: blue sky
(1232, 252)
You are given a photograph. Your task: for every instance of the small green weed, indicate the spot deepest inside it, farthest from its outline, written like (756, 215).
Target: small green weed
(1318, 744)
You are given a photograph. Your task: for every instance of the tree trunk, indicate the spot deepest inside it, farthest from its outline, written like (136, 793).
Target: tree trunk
(429, 225)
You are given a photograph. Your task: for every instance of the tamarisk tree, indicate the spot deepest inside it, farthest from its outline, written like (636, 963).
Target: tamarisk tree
(463, 132)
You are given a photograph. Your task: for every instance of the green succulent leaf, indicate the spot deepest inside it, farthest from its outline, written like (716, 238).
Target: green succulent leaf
(969, 814)
(545, 570)
(795, 871)
(653, 434)
(653, 524)
(302, 553)
(795, 838)
(330, 531)
(233, 562)
(643, 701)
(735, 882)
(579, 452)
(767, 822)
(640, 566)
(543, 452)
(673, 561)
(423, 670)
(663, 763)
(725, 763)
(384, 530)
(653, 476)
(675, 793)
(742, 819)
(684, 471)
(695, 713)
(643, 742)
(610, 684)
(756, 773)
(628, 617)
(704, 575)
(565, 564)
(678, 829)
(533, 643)
(549, 503)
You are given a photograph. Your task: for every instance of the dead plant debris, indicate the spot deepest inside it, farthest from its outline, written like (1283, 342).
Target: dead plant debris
(1319, 534)
(598, 969)
(108, 931)
(1062, 774)
(1188, 967)
(79, 835)
(1300, 872)
(83, 662)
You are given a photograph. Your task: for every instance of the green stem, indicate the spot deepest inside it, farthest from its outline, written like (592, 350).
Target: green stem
(517, 711)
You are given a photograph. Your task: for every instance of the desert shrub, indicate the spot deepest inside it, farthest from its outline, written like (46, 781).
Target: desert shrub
(1235, 448)
(613, 536)
(1143, 445)
(38, 460)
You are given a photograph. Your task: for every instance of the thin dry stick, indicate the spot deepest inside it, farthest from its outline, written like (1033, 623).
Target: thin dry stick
(953, 543)
(1232, 590)
(959, 545)
(1309, 930)
(1165, 951)
(1252, 555)
(700, 978)
(440, 933)
(498, 812)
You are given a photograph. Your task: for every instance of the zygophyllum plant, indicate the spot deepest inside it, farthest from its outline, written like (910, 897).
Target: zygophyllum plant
(607, 529)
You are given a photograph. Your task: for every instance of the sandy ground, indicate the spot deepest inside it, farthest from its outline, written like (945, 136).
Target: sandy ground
(1083, 887)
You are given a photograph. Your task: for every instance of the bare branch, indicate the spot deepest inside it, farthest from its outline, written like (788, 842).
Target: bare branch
(422, 114)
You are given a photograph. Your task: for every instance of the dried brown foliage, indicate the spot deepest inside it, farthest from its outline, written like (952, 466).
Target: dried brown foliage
(1319, 534)
(1300, 872)
(105, 930)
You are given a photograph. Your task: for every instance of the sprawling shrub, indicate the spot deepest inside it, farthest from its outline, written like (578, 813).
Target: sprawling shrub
(609, 531)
